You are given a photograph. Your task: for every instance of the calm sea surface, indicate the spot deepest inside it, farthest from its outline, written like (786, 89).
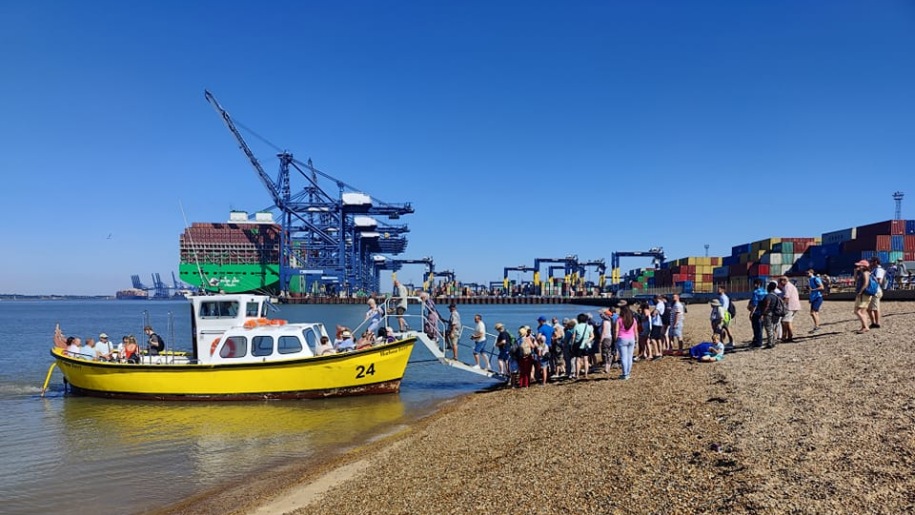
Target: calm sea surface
(65, 454)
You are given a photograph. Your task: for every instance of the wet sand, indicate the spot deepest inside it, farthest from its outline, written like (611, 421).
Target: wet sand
(824, 425)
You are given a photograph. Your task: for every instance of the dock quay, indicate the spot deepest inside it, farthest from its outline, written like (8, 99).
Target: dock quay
(444, 301)
(700, 298)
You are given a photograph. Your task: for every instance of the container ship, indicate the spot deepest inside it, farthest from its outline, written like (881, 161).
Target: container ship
(239, 256)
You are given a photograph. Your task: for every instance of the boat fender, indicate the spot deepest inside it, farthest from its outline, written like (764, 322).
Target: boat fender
(213, 346)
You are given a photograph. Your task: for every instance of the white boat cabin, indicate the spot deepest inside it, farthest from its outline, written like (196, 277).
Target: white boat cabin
(235, 329)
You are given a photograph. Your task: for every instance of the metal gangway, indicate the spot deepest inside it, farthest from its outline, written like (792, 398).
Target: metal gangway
(429, 329)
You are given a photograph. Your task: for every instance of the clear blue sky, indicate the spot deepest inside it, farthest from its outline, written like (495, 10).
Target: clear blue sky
(516, 129)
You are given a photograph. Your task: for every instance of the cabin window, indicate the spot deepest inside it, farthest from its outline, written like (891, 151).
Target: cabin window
(251, 309)
(262, 346)
(290, 345)
(312, 337)
(219, 309)
(234, 347)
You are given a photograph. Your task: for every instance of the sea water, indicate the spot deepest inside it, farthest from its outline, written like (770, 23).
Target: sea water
(66, 454)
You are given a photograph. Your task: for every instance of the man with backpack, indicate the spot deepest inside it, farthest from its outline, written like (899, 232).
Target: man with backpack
(755, 307)
(865, 288)
(156, 344)
(873, 309)
(772, 309)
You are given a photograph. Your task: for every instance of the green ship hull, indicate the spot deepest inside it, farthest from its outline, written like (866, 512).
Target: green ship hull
(232, 278)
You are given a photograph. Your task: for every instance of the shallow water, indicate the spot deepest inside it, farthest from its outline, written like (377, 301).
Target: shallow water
(109, 456)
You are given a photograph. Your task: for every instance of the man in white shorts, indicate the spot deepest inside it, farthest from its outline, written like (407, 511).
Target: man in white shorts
(792, 305)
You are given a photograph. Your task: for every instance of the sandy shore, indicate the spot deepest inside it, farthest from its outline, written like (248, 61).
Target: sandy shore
(824, 425)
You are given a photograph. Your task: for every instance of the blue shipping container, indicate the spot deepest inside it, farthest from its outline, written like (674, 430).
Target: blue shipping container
(897, 243)
(740, 249)
(884, 256)
(833, 249)
(910, 227)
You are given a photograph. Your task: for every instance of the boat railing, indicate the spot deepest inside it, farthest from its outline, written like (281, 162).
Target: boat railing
(434, 327)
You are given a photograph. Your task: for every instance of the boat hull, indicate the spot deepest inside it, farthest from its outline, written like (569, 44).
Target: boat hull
(372, 371)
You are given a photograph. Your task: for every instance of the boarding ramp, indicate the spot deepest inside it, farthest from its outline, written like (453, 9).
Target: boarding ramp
(423, 321)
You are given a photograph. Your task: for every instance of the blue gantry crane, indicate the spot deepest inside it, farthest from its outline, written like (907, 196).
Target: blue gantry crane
(329, 236)
(655, 253)
(396, 264)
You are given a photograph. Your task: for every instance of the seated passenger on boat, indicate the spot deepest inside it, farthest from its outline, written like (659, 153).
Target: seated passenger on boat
(88, 351)
(103, 348)
(325, 347)
(366, 340)
(344, 341)
(73, 346)
(131, 352)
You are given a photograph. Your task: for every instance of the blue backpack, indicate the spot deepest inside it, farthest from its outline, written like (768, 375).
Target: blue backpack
(872, 285)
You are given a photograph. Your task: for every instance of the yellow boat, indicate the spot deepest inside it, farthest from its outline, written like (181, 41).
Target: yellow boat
(239, 354)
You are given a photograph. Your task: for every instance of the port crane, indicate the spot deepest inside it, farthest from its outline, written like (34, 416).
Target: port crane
(655, 253)
(569, 264)
(600, 265)
(325, 238)
(396, 264)
(520, 268)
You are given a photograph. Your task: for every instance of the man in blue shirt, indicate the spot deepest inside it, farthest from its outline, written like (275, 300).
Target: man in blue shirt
(759, 293)
(816, 298)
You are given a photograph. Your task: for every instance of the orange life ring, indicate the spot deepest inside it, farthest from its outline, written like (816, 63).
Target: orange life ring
(263, 321)
(229, 346)
(277, 321)
(250, 324)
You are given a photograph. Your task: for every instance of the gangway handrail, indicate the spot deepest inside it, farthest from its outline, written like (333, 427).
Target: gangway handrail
(440, 344)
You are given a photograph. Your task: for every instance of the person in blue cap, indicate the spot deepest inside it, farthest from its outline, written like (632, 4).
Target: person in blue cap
(546, 330)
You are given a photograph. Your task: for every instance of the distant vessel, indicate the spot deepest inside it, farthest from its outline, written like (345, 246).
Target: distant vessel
(132, 294)
(239, 256)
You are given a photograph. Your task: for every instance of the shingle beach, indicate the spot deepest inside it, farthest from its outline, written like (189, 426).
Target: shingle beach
(823, 425)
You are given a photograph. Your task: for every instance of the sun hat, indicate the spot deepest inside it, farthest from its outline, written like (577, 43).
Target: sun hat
(499, 326)
(346, 334)
(103, 335)
(863, 262)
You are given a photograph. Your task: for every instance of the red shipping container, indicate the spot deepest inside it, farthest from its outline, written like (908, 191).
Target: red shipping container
(908, 244)
(908, 256)
(706, 278)
(897, 227)
(884, 243)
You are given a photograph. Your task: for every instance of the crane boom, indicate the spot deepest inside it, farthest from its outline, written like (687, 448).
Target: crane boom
(268, 182)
